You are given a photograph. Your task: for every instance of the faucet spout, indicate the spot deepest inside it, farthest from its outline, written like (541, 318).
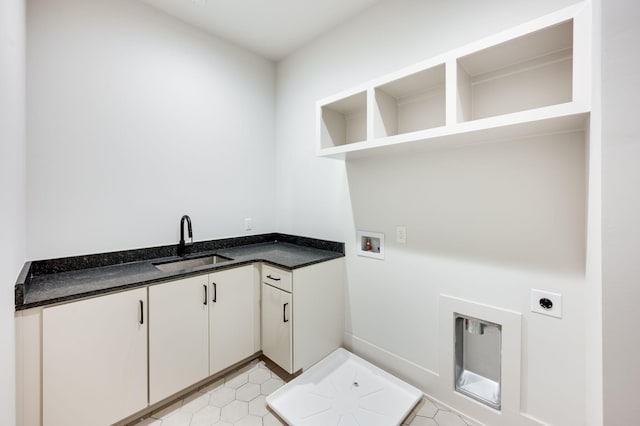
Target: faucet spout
(182, 246)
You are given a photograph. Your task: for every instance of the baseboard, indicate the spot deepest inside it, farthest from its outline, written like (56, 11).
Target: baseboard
(410, 372)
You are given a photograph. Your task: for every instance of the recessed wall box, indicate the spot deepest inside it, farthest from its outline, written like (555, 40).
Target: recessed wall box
(370, 244)
(478, 358)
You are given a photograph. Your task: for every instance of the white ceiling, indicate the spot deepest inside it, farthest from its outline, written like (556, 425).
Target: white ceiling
(271, 28)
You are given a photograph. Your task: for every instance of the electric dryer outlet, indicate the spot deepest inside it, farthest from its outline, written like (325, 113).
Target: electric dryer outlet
(546, 303)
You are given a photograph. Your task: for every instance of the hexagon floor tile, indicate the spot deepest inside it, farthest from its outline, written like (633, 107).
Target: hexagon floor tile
(248, 392)
(259, 376)
(271, 385)
(221, 397)
(235, 411)
(239, 400)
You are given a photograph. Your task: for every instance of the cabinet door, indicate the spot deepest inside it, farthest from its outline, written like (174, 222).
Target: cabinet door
(232, 317)
(94, 360)
(178, 336)
(276, 326)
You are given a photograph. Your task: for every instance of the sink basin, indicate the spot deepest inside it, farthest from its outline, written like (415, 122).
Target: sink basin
(179, 265)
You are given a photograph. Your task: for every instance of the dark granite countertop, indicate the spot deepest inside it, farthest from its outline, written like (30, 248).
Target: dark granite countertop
(52, 281)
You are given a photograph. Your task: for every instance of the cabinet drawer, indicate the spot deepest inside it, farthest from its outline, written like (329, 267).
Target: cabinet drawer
(276, 277)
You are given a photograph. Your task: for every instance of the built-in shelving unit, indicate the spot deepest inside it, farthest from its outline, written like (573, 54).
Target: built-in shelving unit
(532, 79)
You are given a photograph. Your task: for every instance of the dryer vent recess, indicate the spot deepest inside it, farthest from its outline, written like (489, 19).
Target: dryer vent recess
(478, 350)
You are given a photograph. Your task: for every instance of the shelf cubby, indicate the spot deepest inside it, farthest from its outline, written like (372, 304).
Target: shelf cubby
(528, 72)
(412, 103)
(344, 121)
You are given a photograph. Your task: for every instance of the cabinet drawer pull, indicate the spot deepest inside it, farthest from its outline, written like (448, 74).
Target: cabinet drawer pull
(273, 278)
(205, 294)
(284, 312)
(141, 313)
(215, 293)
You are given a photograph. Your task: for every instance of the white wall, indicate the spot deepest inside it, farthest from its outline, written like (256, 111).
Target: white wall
(136, 118)
(620, 210)
(484, 223)
(593, 284)
(12, 189)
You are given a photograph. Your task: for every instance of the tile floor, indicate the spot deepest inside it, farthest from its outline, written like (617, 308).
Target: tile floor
(429, 413)
(239, 400)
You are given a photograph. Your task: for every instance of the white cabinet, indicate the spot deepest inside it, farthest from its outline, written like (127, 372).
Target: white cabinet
(199, 326)
(276, 326)
(302, 313)
(178, 336)
(531, 79)
(106, 358)
(233, 317)
(94, 360)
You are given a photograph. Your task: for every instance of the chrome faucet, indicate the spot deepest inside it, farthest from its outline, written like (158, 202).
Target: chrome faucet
(182, 247)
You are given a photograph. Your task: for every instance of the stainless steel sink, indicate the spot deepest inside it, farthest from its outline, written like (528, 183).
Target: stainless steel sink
(180, 265)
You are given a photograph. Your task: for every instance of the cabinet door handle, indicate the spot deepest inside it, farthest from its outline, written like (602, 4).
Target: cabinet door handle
(284, 312)
(215, 293)
(141, 313)
(273, 278)
(205, 294)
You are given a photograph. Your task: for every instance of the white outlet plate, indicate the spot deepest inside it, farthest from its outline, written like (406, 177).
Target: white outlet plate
(537, 297)
(247, 224)
(401, 234)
